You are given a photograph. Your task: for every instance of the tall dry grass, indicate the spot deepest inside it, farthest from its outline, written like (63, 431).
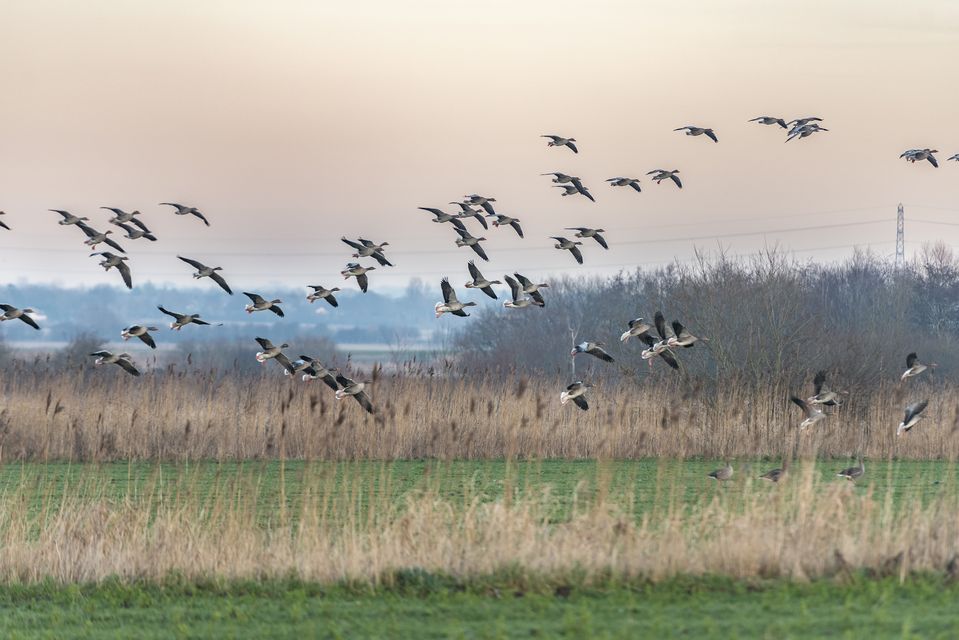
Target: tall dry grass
(84, 414)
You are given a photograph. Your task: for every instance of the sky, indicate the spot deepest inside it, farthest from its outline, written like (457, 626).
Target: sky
(291, 124)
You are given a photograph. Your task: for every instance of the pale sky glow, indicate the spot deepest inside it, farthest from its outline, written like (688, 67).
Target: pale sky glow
(291, 124)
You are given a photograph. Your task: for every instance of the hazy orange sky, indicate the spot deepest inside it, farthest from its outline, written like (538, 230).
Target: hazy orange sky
(291, 124)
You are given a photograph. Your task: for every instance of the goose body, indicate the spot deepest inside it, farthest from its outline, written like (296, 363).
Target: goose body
(774, 475)
(312, 369)
(481, 201)
(918, 155)
(770, 120)
(625, 182)
(95, 237)
(723, 474)
(181, 320)
(113, 261)
(560, 141)
(586, 232)
(564, 244)
(682, 336)
(182, 210)
(502, 220)
(658, 175)
(269, 351)
(812, 414)
(479, 282)
(467, 240)
(804, 131)
(10, 312)
(576, 393)
(121, 359)
(259, 303)
(594, 349)
(698, 131)
(532, 288)
(914, 367)
(141, 332)
(203, 271)
(322, 293)
(636, 327)
(912, 417)
(355, 389)
(450, 303)
(359, 272)
(853, 472)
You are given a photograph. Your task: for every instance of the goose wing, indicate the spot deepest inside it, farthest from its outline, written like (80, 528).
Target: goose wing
(363, 281)
(660, 320)
(600, 353)
(711, 135)
(113, 244)
(379, 257)
(799, 402)
(523, 280)
(329, 381)
(675, 178)
(196, 264)
(580, 401)
(682, 333)
(517, 228)
(488, 207)
(88, 230)
(601, 240)
(332, 300)
(140, 224)
(127, 366)
(648, 339)
(448, 294)
(285, 363)
(124, 270)
(439, 213)
(818, 381)
(481, 219)
(217, 278)
(201, 217)
(172, 314)
(343, 381)
(355, 245)
(911, 360)
(148, 340)
(489, 291)
(513, 287)
(914, 410)
(635, 185)
(474, 270)
(932, 160)
(179, 207)
(254, 297)
(538, 299)
(572, 146)
(551, 137)
(480, 252)
(275, 309)
(670, 360)
(364, 401)
(263, 342)
(30, 321)
(576, 254)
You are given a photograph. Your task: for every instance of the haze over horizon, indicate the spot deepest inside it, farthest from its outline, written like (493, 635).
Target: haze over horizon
(293, 124)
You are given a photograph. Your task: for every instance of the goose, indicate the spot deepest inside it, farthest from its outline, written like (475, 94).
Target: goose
(120, 217)
(853, 472)
(636, 327)
(564, 244)
(181, 320)
(479, 282)
(182, 210)
(259, 303)
(322, 293)
(367, 249)
(313, 370)
(659, 321)
(68, 218)
(657, 348)
(575, 392)
(572, 190)
(203, 271)
(823, 394)
(136, 233)
(955, 157)
(918, 155)
(467, 240)
(662, 174)
(355, 389)
(813, 414)
(141, 332)
(698, 131)
(272, 352)
(12, 313)
(502, 220)
(117, 262)
(914, 367)
(450, 303)
(802, 122)
(467, 211)
(592, 348)
(560, 141)
(804, 131)
(481, 201)
(722, 475)
(560, 178)
(775, 475)
(578, 184)
(518, 300)
(682, 337)
(586, 232)
(120, 359)
(358, 272)
(625, 182)
(912, 417)
(95, 237)
(442, 216)
(2, 223)
(770, 120)
(532, 289)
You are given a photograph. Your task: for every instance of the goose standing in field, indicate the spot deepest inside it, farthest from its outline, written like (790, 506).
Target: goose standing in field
(467, 240)
(136, 233)
(914, 367)
(853, 472)
(2, 223)
(698, 131)
(586, 232)
(502, 220)
(625, 182)
(722, 475)
(259, 303)
(141, 332)
(322, 293)
(181, 320)
(918, 155)
(272, 352)
(359, 272)
(355, 389)
(95, 237)
(518, 300)
(912, 417)
(121, 359)
(182, 210)
(122, 217)
(775, 475)
(481, 201)
(112, 260)
(203, 271)
(368, 249)
(822, 394)
(657, 348)
(450, 303)
(528, 286)
(636, 328)
(313, 369)
(576, 393)
(592, 348)
(10, 312)
(813, 414)
(560, 178)
(467, 211)
(770, 120)
(442, 216)
(560, 141)
(804, 131)
(662, 174)
(682, 337)
(479, 282)
(68, 218)
(564, 244)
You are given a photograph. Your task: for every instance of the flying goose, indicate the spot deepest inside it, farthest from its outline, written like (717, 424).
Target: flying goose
(355, 389)
(722, 475)
(467, 240)
(141, 332)
(682, 337)
(918, 155)
(559, 178)
(121, 359)
(586, 232)
(95, 237)
(182, 210)
(575, 392)
(802, 122)
(479, 282)
(358, 272)
(368, 249)
(117, 262)
(4, 224)
(442, 216)
(467, 211)
(662, 174)
(656, 348)
(775, 475)
(322, 293)
(120, 217)
(518, 300)
(955, 157)
(136, 233)
(560, 141)
(450, 303)
(68, 218)
(271, 352)
(636, 327)
(564, 244)
(804, 131)
(698, 131)
(813, 414)
(853, 472)
(532, 289)
(181, 320)
(625, 182)
(259, 303)
(12, 313)
(481, 201)
(593, 349)
(502, 220)
(770, 120)
(912, 416)
(914, 367)
(313, 370)
(823, 394)
(203, 271)
(578, 184)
